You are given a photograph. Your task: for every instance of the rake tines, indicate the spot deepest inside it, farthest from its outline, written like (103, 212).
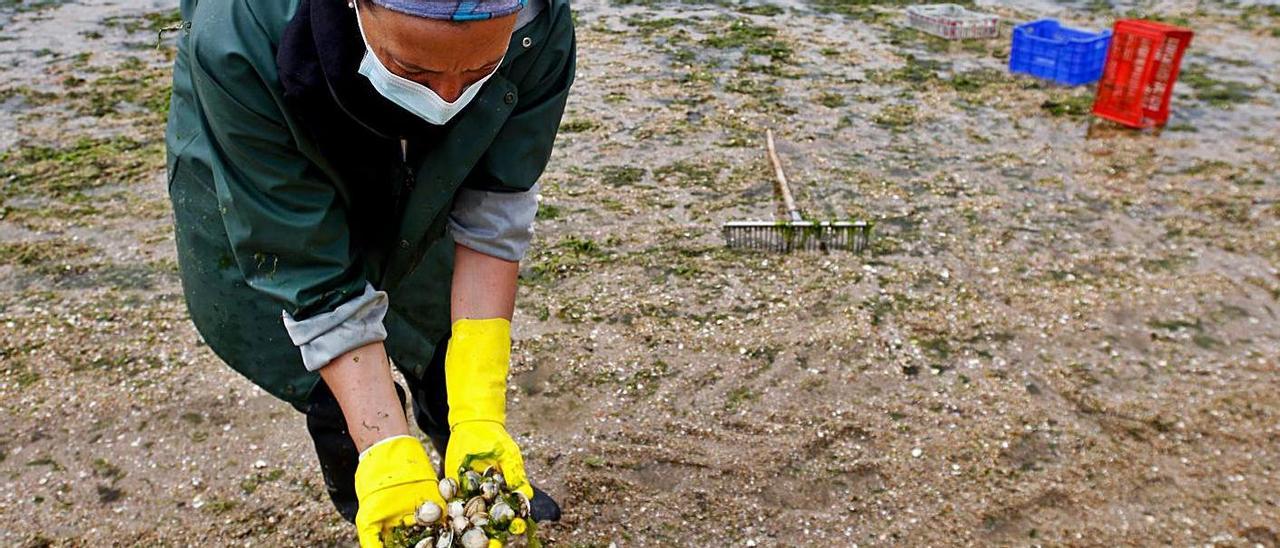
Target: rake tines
(795, 233)
(785, 236)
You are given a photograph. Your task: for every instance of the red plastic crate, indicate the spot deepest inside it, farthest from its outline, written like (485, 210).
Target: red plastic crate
(1142, 66)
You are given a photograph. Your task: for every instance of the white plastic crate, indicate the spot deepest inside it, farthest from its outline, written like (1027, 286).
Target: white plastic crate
(952, 21)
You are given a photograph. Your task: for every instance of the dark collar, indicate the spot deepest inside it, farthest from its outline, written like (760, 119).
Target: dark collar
(317, 61)
(319, 55)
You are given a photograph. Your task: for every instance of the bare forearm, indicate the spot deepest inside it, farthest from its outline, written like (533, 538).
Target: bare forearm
(484, 287)
(361, 381)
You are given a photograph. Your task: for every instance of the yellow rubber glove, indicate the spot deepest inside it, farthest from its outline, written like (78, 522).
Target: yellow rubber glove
(393, 479)
(475, 374)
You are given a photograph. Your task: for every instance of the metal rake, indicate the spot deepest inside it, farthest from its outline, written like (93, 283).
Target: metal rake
(794, 233)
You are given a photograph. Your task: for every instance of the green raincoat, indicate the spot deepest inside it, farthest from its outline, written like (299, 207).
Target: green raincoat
(286, 200)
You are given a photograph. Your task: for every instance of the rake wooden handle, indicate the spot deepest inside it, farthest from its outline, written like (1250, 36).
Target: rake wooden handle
(792, 211)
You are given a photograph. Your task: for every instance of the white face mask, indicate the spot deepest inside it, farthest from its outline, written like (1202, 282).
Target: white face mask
(410, 95)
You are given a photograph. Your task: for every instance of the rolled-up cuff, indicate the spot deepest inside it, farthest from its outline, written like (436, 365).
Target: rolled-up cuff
(323, 337)
(498, 224)
(381, 442)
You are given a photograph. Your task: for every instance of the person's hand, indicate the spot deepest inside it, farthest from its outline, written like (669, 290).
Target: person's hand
(393, 479)
(480, 444)
(475, 373)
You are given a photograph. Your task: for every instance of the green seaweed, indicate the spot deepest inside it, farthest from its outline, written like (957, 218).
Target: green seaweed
(915, 72)
(151, 21)
(618, 176)
(1218, 93)
(570, 255)
(578, 125)
(738, 396)
(753, 39)
(688, 173)
(896, 117)
(830, 100)
(28, 6)
(974, 81)
(547, 212)
(1066, 104)
(42, 252)
(132, 82)
(85, 163)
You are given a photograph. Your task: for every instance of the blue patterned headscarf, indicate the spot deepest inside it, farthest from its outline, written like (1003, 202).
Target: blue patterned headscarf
(454, 10)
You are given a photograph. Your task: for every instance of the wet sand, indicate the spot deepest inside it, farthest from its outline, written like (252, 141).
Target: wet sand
(1064, 332)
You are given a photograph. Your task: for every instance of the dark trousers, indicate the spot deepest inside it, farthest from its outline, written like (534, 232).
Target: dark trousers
(337, 453)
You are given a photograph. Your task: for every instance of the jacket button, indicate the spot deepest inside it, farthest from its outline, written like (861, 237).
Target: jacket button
(510, 97)
(526, 42)
(404, 244)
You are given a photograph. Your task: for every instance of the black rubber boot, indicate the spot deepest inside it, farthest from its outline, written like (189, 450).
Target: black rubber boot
(542, 507)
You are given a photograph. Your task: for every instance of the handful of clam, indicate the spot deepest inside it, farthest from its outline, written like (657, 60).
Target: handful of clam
(481, 512)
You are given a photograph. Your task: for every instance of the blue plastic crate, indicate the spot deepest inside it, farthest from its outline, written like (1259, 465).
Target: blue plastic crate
(1046, 49)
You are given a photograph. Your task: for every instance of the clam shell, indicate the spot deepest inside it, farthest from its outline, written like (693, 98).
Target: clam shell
(475, 538)
(469, 482)
(457, 509)
(448, 488)
(522, 505)
(428, 513)
(501, 513)
(474, 506)
(445, 540)
(426, 542)
(459, 524)
(480, 520)
(489, 489)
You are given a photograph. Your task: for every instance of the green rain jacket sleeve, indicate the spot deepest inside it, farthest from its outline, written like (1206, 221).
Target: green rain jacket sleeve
(285, 218)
